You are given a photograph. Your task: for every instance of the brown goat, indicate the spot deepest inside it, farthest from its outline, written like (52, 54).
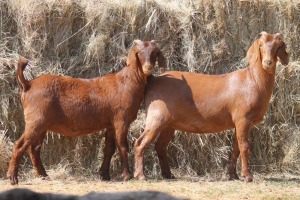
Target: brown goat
(211, 103)
(73, 107)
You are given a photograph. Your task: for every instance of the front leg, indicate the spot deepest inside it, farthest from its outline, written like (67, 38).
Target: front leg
(242, 130)
(232, 162)
(122, 144)
(109, 150)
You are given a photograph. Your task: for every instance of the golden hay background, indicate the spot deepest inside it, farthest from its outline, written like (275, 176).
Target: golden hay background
(89, 38)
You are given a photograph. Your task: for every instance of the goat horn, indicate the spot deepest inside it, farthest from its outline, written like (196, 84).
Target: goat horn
(279, 36)
(137, 42)
(263, 33)
(260, 34)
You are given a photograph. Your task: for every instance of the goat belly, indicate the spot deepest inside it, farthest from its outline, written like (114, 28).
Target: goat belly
(80, 121)
(201, 126)
(71, 131)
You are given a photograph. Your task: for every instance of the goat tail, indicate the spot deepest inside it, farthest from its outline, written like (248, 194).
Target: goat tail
(22, 82)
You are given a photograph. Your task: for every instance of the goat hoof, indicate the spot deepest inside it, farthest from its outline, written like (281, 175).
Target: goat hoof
(126, 177)
(46, 178)
(233, 176)
(104, 177)
(141, 178)
(249, 178)
(168, 176)
(14, 180)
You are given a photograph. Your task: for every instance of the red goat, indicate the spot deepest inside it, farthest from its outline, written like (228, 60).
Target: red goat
(73, 107)
(211, 103)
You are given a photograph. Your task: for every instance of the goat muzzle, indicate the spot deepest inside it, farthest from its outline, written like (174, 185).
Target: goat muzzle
(148, 69)
(268, 63)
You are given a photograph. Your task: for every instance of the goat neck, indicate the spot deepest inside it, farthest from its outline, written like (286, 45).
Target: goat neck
(131, 77)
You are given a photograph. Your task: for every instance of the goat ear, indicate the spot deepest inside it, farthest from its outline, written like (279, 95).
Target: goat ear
(282, 55)
(253, 53)
(161, 61)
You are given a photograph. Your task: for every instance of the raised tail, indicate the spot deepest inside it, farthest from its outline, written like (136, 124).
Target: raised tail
(23, 83)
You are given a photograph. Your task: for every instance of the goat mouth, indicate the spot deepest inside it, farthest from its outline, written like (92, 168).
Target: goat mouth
(148, 71)
(268, 67)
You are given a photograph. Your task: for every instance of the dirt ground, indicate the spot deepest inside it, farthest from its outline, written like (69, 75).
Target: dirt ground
(264, 187)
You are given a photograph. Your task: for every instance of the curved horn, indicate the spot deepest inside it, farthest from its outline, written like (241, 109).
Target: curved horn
(279, 36)
(261, 34)
(135, 42)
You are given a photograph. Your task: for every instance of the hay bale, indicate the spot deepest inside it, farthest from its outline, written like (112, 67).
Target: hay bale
(6, 147)
(90, 38)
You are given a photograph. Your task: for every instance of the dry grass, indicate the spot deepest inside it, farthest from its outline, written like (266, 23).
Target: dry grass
(90, 38)
(264, 187)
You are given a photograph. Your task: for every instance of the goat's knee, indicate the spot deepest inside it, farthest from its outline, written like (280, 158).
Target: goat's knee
(244, 148)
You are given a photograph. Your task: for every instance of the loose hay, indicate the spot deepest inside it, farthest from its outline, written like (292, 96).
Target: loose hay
(90, 38)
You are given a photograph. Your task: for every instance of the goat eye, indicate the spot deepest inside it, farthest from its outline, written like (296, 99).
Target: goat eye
(260, 45)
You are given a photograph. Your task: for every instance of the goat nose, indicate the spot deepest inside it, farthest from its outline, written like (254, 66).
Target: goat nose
(148, 66)
(268, 62)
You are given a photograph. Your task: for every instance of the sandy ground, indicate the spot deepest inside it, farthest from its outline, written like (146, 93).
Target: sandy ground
(264, 187)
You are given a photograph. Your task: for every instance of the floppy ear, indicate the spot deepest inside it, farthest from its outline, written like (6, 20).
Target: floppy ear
(132, 52)
(253, 53)
(282, 55)
(161, 61)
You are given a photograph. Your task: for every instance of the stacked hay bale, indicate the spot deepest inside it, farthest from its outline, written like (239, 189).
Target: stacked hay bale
(90, 38)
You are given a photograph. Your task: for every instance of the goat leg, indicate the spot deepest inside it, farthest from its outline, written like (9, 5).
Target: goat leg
(140, 144)
(242, 130)
(19, 150)
(35, 151)
(161, 149)
(122, 144)
(109, 150)
(232, 162)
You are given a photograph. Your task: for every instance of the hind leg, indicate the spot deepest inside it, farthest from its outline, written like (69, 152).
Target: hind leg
(35, 151)
(157, 119)
(20, 147)
(161, 149)
(109, 150)
(140, 144)
(30, 137)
